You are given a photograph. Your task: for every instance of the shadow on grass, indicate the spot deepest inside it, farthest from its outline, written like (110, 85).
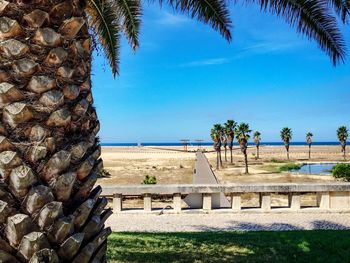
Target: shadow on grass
(255, 246)
(248, 226)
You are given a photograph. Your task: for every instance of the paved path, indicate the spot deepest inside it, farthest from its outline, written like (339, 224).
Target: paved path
(225, 222)
(203, 174)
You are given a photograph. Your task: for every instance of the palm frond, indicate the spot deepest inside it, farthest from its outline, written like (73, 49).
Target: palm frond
(242, 132)
(130, 12)
(342, 8)
(309, 134)
(314, 19)
(342, 133)
(286, 134)
(213, 12)
(257, 134)
(104, 22)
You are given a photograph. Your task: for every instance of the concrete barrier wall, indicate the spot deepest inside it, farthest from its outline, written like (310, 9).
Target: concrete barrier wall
(330, 196)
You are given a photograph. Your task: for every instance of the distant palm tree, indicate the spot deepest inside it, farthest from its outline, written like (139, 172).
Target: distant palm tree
(220, 131)
(257, 139)
(286, 136)
(309, 142)
(242, 136)
(230, 126)
(224, 143)
(215, 135)
(342, 134)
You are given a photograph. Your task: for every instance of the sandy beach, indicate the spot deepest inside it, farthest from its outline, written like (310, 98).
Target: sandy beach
(171, 165)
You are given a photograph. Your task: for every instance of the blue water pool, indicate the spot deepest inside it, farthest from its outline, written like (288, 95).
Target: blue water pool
(316, 168)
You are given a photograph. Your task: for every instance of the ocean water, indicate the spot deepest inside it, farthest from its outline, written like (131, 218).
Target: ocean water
(210, 143)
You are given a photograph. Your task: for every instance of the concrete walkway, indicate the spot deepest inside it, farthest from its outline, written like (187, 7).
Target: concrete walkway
(203, 174)
(226, 222)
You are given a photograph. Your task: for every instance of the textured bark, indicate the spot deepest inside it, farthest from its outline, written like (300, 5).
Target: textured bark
(243, 145)
(309, 151)
(49, 154)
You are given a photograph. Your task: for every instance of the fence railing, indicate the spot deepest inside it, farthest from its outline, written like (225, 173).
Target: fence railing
(329, 196)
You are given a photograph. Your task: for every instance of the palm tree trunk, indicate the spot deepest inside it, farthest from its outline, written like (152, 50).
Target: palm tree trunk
(49, 154)
(225, 154)
(287, 148)
(231, 158)
(257, 152)
(309, 152)
(220, 159)
(344, 152)
(246, 162)
(217, 160)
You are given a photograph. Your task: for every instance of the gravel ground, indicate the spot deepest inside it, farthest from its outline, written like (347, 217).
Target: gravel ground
(224, 222)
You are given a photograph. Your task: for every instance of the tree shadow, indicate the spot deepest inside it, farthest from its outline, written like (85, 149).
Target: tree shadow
(328, 225)
(249, 226)
(215, 245)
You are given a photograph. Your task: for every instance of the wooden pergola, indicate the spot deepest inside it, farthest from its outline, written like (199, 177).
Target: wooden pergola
(185, 143)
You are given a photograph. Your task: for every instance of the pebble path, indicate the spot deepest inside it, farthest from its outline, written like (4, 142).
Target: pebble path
(227, 222)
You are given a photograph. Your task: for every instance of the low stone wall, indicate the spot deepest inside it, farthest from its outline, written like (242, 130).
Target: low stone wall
(330, 196)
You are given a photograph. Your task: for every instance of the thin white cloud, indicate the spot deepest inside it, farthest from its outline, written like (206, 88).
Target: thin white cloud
(269, 47)
(206, 62)
(254, 49)
(265, 48)
(172, 19)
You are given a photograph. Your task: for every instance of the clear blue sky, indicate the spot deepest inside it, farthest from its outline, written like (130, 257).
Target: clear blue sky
(185, 77)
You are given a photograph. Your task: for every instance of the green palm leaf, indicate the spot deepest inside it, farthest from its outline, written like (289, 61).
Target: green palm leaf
(342, 8)
(313, 18)
(130, 12)
(105, 24)
(213, 12)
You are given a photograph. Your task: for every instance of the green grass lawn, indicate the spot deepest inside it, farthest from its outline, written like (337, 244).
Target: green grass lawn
(288, 246)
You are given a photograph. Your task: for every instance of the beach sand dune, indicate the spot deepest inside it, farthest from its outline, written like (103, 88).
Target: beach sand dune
(171, 165)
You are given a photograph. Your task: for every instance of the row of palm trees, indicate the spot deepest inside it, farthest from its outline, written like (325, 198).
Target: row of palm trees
(224, 135)
(342, 134)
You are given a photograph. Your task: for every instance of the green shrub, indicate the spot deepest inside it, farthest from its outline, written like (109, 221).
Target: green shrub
(341, 170)
(103, 173)
(289, 167)
(274, 160)
(149, 180)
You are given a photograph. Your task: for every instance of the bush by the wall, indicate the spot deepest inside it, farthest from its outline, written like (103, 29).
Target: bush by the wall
(149, 180)
(341, 170)
(103, 173)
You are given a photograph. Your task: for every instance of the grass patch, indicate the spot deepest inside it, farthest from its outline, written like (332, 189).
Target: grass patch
(274, 160)
(288, 246)
(271, 168)
(280, 167)
(289, 167)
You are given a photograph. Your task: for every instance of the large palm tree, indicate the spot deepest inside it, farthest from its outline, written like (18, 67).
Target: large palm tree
(309, 136)
(49, 154)
(242, 133)
(286, 136)
(257, 140)
(229, 128)
(342, 134)
(220, 131)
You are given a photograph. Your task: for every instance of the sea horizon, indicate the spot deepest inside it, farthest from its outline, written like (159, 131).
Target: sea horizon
(210, 144)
